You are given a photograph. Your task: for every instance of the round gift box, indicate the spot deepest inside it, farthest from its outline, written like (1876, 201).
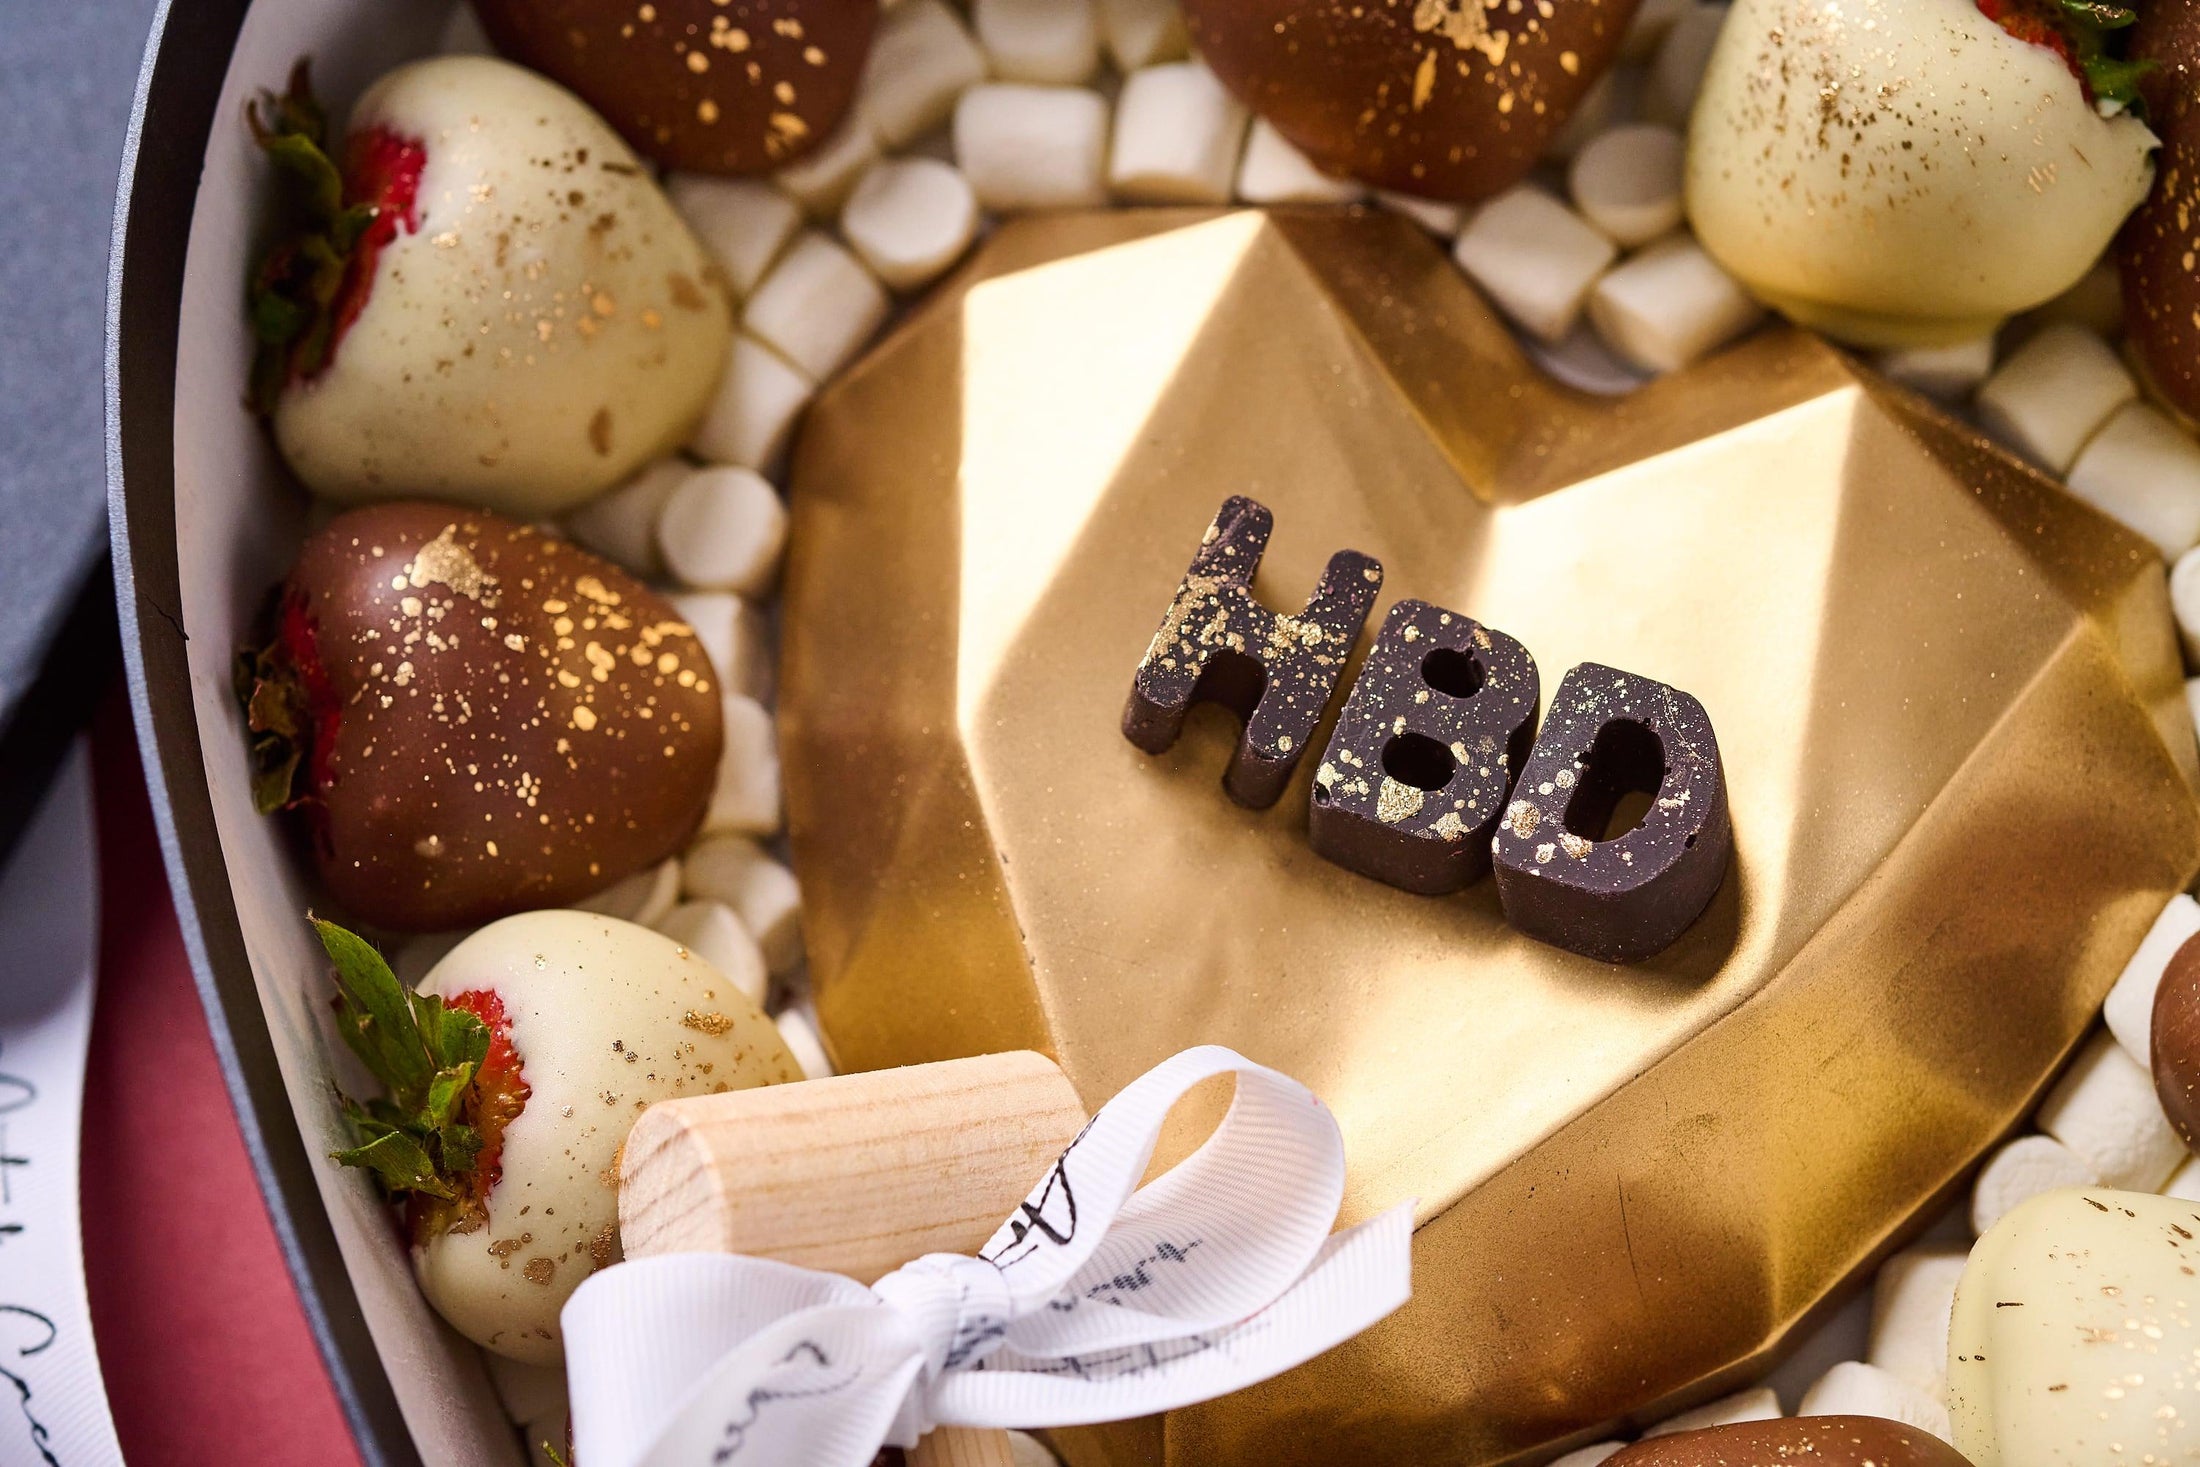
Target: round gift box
(205, 519)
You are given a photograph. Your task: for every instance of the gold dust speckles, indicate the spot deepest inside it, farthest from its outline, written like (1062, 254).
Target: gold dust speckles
(539, 1270)
(1521, 818)
(711, 1023)
(706, 111)
(1397, 801)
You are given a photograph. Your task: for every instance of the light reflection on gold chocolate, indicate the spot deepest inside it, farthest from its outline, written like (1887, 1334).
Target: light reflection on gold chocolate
(1949, 700)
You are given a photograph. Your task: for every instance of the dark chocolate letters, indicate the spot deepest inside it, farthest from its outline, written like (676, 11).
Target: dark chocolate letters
(1561, 877)
(1410, 789)
(1276, 672)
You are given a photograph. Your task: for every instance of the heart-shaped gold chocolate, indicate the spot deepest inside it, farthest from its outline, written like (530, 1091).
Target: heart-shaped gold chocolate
(1960, 765)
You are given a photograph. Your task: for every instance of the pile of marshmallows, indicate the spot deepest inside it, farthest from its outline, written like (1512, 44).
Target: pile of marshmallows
(1043, 104)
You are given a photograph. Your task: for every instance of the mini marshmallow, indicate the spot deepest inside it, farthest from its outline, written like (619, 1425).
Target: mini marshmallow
(722, 530)
(621, 524)
(1177, 134)
(1046, 41)
(1589, 1456)
(2130, 1006)
(1440, 219)
(1025, 147)
(641, 898)
(760, 394)
(1595, 112)
(1647, 31)
(1684, 55)
(743, 222)
(1670, 305)
(2053, 393)
(2143, 471)
(821, 179)
(734, 637)
(910, 219)
(764, 894)
(922, 59)
(712, 932)
(1026, 1450)
(1535, 257)
(746, 800)
(1627, 182)
(1853, 1388)
(2184, 603)
(1142, 32)
(817, 307)
(801, 1037)
(2185, 1181)
(1756, 1404)
(1274, 172)
(1943, 373)
(1911, 1300)
(2106, 1112)
(527, 1392)
(2020, 1171)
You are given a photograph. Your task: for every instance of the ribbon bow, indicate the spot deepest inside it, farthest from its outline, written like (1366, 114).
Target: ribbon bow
(1097, 1300)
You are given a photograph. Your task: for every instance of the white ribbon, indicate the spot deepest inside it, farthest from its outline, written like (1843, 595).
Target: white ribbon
(1098, 1300)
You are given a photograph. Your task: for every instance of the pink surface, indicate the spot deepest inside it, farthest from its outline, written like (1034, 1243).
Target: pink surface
(205, 1350)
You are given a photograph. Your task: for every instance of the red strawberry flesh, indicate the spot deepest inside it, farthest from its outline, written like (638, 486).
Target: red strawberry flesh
(381, 168)
(499, 1092)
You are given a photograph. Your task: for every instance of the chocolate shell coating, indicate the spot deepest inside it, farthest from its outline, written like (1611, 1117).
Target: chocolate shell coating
(1422, 759)
(517, 723)
(722, 86)
(1449, 99)
(1218, 644)
(1798, 1441)
(2175, 1046)
(2158, 254)
(1561, 876)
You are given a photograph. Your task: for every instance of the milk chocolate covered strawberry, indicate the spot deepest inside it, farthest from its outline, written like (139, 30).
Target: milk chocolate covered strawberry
(510, 1081)
(1450, 99)
(481, 295)
(474, 718)
(2160, 248)
(726, 86)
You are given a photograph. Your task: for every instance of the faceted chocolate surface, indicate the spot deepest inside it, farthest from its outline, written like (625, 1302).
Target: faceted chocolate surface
(1958, 762)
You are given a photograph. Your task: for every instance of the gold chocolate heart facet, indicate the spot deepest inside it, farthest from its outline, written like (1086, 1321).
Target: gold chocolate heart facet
(1959, 760)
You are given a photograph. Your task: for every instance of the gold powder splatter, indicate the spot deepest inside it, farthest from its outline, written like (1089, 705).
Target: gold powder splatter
(445, 562)
(711, 1023)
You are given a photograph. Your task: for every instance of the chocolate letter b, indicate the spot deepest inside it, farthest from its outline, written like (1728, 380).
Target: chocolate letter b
(1566, 873)
(1416, 774)
(1275, 672)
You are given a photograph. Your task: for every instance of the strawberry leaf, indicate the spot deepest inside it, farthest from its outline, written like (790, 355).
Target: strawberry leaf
(374, 1016)
(419, 1139)
(399, 1162)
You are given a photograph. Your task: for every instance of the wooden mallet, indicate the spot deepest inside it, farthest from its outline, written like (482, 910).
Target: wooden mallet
(926, 1159)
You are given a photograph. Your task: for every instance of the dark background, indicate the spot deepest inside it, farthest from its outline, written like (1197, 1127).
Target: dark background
(68, 70)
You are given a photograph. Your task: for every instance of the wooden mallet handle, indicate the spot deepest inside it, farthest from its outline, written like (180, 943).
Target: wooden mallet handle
(855, 1175)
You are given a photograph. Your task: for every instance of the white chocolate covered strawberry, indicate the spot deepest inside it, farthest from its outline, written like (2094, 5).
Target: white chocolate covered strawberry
(513, 1077)
(1909, 172)
(490, 301)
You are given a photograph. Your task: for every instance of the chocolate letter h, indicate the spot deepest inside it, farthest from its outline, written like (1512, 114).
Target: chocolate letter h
(1276, 673)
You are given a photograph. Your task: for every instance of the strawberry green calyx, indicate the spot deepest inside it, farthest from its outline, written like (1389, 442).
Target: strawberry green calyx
(298, 289)
(290, 708)
(419, 1139)
(2084, 34)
